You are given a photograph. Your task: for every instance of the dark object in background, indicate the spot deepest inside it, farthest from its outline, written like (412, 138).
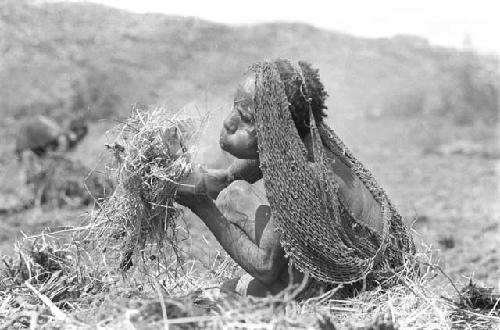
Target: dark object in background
(42, 135)
(447, 242)
(39, 134)
(77, 130)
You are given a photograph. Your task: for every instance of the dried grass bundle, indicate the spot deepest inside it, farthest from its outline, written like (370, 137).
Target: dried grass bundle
(152, 153)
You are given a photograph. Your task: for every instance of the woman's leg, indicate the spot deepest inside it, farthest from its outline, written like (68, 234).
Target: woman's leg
(246, 284)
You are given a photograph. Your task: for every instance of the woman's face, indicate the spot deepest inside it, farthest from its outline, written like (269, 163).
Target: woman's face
(238, 135)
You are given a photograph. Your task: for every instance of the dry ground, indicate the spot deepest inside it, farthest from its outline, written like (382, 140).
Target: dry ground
(451, 197)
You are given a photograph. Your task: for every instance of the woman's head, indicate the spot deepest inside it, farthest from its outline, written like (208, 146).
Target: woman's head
(238, 134)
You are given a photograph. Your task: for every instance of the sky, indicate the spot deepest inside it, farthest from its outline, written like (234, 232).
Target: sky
(442, 22)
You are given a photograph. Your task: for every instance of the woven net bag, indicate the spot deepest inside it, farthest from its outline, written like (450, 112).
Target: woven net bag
(317, 232)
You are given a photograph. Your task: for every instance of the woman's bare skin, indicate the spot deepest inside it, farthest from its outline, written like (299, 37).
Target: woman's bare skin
(261, 254)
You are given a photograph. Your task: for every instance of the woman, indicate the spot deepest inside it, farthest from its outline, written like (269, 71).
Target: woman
(327, 217)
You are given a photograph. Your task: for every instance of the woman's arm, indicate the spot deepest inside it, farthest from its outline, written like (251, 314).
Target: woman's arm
(212, 181)
(264, 261)
(245, 169)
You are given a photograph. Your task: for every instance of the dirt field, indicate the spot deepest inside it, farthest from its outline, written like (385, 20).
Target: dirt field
(450, 194)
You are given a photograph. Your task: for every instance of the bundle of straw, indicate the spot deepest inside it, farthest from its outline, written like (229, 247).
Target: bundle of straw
(152, 154)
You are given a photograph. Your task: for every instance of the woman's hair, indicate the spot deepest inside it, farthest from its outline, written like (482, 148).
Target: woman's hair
(298, 104)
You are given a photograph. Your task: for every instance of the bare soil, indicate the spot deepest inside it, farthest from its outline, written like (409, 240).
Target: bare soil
(450, 199)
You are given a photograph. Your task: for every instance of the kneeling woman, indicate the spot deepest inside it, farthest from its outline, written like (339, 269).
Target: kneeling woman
(327, 219)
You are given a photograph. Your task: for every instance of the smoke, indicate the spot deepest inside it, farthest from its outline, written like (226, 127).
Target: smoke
(208, 152)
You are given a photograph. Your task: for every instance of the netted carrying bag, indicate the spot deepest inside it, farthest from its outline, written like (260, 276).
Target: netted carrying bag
(317, 231)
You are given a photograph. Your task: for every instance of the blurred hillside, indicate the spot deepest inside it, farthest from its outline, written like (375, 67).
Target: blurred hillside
(70, 57)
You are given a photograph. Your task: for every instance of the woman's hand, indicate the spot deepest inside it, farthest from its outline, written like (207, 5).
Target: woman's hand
(215, 181)
(200, 185)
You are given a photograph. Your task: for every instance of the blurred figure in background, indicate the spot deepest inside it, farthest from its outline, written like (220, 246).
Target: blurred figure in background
(52, 178)
(42, 135)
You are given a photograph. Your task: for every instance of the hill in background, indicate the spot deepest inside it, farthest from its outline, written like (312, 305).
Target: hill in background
(64, 57)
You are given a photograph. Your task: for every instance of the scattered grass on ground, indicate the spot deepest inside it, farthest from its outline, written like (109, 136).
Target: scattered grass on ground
(52, 284)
